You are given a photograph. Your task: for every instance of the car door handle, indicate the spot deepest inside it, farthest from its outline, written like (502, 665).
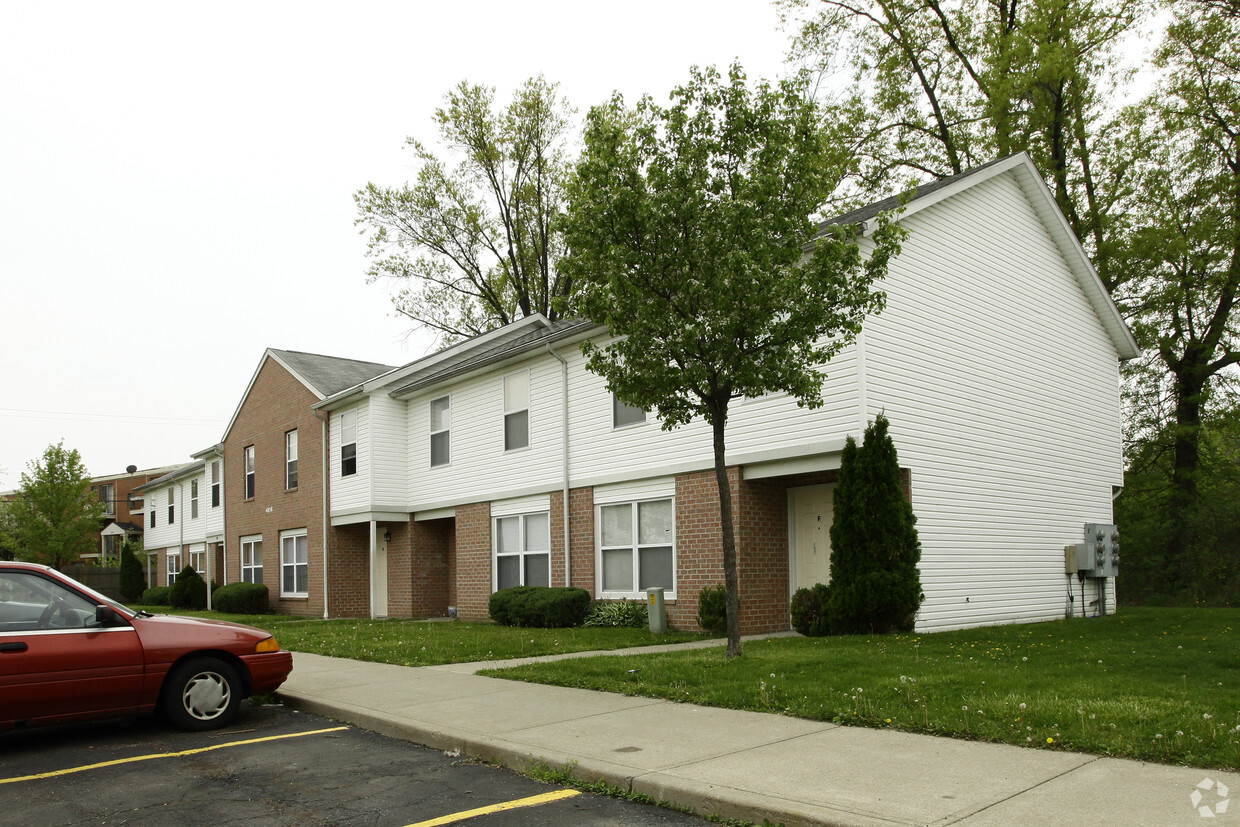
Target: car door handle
(18, 646)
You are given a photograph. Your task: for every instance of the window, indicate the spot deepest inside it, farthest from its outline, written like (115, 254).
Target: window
(174, 565)
(107, 496)
(637, 546)
(517, 411)
(348, 443)
(251, 559)
(109, 546)
(152, 525)
(294, 565)
(522, 550)
(249, 473)
(215, 484)
(290, 460)
(172, 517)
(441, 430)
(622, 413)
(193, 499)
(198, 559)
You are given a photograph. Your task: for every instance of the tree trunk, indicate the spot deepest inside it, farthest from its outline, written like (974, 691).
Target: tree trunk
(1189, 392)
(730, 578)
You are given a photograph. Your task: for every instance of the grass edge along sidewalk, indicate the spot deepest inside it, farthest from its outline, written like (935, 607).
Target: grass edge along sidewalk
(1152, 684)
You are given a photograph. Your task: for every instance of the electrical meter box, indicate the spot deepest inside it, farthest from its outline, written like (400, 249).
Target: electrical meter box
(1098, 556)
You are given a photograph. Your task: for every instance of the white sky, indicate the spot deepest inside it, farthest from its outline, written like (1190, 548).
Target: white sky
(176, 183)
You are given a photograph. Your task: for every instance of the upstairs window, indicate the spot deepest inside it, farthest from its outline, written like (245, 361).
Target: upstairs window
(441, 431)
(107, 496)
(623, 414)
(249, 472)
(193, 499)
(348, 443)
(517, 411)
(290, 460)
(172, 518)
(215, 484)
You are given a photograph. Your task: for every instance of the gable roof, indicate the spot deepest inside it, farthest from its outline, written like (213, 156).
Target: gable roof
(180, 472)
(323, 376)
(1021, 168)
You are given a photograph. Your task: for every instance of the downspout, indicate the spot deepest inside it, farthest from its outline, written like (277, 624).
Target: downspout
(325, 457)
(568, 579)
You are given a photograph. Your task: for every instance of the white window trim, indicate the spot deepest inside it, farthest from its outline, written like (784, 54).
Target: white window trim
(249, 459)
(430, 415)
(197, 557)
(290, 459)
(529, 442)
(520, 555)
(668, 594)
(291, 535)
(248, 542)
(172, 504)
(217, 494)
(173, 571)
(615, 403)
(344, 416)
(193, 499)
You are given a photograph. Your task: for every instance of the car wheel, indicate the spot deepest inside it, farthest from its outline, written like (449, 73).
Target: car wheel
(201, 694)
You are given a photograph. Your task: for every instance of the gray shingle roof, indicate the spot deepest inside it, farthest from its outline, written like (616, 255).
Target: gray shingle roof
(330, 374)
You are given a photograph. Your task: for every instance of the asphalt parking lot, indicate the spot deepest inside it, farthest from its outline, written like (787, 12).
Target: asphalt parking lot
(274, 766)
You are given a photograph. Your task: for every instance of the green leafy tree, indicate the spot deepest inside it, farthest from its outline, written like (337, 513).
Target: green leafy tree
(54, 516)
(133, 578)
(8, 543)
(875, 586)
(691, 239)
(475, 245)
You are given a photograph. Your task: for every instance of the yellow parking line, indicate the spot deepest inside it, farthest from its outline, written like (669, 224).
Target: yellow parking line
(180, 754)
(532, 801)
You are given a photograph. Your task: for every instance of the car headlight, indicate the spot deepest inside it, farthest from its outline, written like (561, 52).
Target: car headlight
(266, 645)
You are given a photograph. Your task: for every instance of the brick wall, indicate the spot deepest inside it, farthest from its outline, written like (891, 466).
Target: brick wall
(348, 571)
(429, 567)
(473, 561)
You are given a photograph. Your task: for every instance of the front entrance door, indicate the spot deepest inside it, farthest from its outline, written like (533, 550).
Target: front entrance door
(811, 535)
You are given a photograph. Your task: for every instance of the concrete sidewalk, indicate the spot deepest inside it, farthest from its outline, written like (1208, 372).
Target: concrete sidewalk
(749, 765)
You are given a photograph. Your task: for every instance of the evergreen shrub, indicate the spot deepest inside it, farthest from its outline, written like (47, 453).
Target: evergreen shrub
(713, 608)
(189, 591)
(133, 579)
(155, 596)
(540, 607)
(242, 599)
(809, 615)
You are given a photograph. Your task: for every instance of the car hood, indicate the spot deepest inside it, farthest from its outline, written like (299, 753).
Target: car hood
(196, 632)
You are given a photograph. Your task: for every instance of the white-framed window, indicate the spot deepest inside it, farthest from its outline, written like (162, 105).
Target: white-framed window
(637, 547)
(215, 483)
(294, 564)
(174, 565)
(172, 506)
(107, 496)
(522, 550)
(249, 472)
(348, 443)
(517, 411)
(623, 414)
(193, 499)
(152, 521)
(290, 460)
(252, 559)
(441, 430)
(198, 559)
(110, 548)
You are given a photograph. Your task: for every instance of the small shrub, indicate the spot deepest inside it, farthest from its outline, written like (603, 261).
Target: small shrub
(627, 614)
(809, 611)
(133, 581)
(155, 596)
(189, 591)
(713, 608)
(242, 599)
(540, 606)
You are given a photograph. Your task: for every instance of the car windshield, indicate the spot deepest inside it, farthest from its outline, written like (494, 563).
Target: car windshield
(104, 599)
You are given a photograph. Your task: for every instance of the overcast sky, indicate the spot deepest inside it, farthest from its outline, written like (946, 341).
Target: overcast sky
(177, 179)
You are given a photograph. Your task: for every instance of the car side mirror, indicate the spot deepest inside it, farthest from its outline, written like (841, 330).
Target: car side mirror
(106, 616)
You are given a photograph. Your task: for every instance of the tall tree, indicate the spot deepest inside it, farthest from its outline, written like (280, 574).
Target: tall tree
(690, 237)
(1182, 238)
(55, 516)
(474, 246)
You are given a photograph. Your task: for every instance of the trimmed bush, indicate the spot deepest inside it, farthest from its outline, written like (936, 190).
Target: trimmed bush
(540, 607)
(241, 598)
(875, 585)
(809, 615)
(155, 596)
(713, 608)
(133, 580)
(189, 591)
(627, 614)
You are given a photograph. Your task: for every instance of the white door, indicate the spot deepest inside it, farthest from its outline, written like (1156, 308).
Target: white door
(380, 575)
(811, 535)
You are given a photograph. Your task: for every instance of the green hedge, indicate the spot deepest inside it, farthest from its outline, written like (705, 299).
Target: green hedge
(241, 598)
(540, 607)
(155, 596)
(713, 608)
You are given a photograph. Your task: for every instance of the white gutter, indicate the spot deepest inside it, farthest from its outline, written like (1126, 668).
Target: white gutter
(325, 456)
(568, 579)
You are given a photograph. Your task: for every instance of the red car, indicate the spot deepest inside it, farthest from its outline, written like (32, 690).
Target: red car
(68, 653)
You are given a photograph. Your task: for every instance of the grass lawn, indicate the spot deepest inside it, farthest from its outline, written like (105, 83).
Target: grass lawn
(420, 643)
(1153, 684)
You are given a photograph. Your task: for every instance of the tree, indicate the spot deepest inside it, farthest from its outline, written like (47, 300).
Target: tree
(476, 245)
(875, 586)
(1182, 242)
(133, 578)
(54, 516)
(8, 544)
(691, 239)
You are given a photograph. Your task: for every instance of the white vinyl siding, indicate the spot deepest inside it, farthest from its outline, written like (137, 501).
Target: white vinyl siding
(350, 492)
(383, 441)
(1002, 391)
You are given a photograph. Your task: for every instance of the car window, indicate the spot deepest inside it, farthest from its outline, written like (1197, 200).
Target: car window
(29, 602)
